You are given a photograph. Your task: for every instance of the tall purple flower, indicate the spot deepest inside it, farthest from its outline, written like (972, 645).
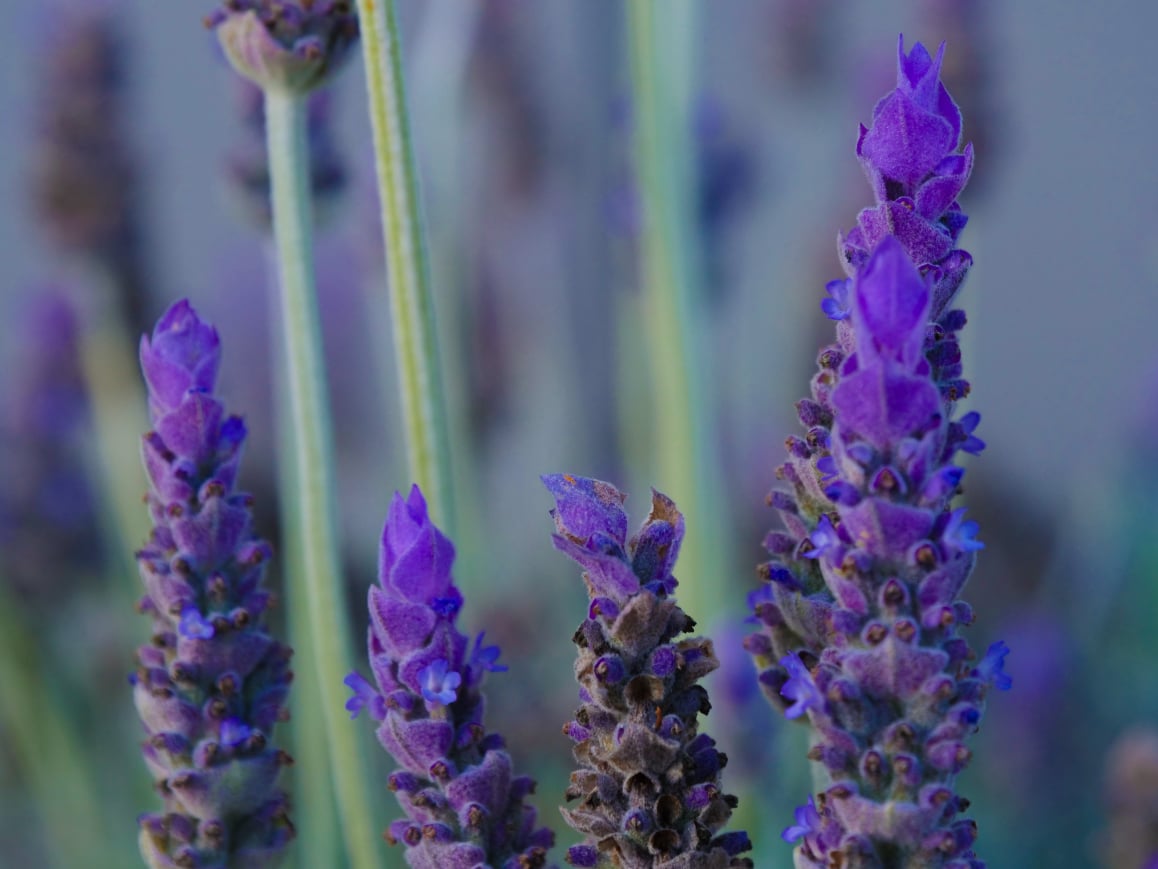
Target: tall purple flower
(648, 782)
(877, 662)
(212, 683)
(464, 806)
(909, 157)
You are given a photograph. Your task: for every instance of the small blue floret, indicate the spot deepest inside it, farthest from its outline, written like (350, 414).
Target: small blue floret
(486, 657)
(800, 688)
(807, 822)
(836, 307)
(364, 696)
(439, 683)
(823, 538)
(992, 667)
(194, 625)
(961, 533)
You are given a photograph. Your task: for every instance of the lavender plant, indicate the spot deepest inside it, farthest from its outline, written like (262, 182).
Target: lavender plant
(464, 806)
(211, 684)
(648, 781)
(859, 620)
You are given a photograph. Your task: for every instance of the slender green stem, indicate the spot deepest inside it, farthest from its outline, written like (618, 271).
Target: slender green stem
(117, 398)
(312, 470)
(46, 744)
(411, 302)
(686, 469)
(318, 839)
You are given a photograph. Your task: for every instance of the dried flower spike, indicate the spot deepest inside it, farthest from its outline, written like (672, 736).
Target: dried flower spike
(212, 683)
(289, 46)
(464, 806)
(648, 781)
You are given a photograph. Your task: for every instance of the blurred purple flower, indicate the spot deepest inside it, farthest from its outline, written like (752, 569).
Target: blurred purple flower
(85, 180)
(48, 538)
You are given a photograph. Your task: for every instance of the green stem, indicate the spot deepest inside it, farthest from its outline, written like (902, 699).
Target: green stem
(46, 744)
(318, 839)
(315, 510)
(682, 437)
(117, 398)
(411, 302)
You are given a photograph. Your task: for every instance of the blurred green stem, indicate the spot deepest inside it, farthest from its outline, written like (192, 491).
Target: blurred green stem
(50, 750)
(411, 302)
(671, 298)
(311, 454)
(117, 396)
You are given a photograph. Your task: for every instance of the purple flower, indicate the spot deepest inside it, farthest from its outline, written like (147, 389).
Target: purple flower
(439, 684)
(836, 307)
(486, 657)
(464, 806)
(364, 696)
(212, 683)
(807, 822)
(991, 669)
(879, 559)
(961, 534)
(286, 45)
(800, 688)
(824, 539)
(648, 782)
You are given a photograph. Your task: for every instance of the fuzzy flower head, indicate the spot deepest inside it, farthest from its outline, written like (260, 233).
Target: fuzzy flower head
(211, 684)
(464, 806)
(647, 781)
(866, 579)
(289, 46)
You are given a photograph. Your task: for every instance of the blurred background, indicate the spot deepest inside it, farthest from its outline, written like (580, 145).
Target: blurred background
(132, 174)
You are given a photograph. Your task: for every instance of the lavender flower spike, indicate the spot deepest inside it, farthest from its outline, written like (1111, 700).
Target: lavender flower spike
(892, 691)
(212, 683)
(648, 782)
(464, 806)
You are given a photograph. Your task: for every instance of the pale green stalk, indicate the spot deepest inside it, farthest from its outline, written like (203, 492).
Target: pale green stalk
(411, 303)
(117, 397)
(45, 743)
(318, 839)
(312, 465)
(686, 466)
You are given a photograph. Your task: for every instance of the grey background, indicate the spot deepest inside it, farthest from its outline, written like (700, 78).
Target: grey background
(1063, 298)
